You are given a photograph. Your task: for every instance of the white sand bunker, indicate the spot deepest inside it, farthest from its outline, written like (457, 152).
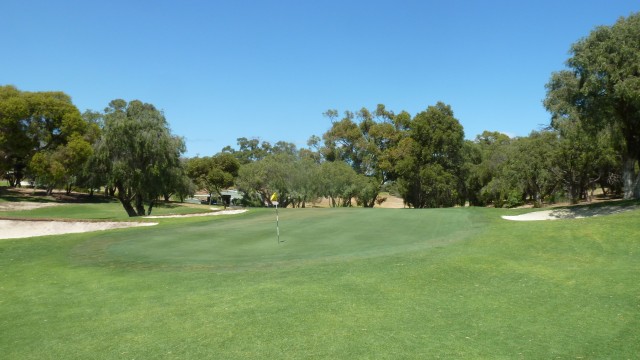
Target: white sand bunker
(25, 205)
(214, 213)
(572, 213)
(13, 229)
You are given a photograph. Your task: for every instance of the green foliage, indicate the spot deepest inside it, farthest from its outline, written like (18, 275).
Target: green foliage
(61, 167)
(251, 150)
(213, 174)
(31, 122)
(295, 179)
(339, 183)
(367, 146)
(531, 165)
(430, 159)
(602, 91)
(138, 154)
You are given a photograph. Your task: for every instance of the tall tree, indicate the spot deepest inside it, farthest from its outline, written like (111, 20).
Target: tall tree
(366, 145)
(486, 158)
(531, 163)
(62, 166)
(213, 174)
(338, 182)
(31, 122)
(430, 159)
(138, 153)
(603, 87)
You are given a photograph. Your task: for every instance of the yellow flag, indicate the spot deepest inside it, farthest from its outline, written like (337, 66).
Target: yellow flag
(274, 197)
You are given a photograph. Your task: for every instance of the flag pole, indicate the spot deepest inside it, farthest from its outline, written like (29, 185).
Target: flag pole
(274, 201)
(277, 224)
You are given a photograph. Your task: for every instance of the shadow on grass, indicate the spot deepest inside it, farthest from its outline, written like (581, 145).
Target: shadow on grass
(10, 194)
(595, 209)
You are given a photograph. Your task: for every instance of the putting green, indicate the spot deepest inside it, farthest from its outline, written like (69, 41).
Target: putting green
(249, 240)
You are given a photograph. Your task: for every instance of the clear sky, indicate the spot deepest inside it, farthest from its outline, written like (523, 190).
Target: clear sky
(268, 69)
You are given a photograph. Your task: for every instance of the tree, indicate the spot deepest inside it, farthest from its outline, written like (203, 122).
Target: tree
(485, 160)
(430, 159)
(531, 165)
(367, 146)
(587, 154)
(88, 177)
(61, 166)
(603, 88)
(213, 174)
(250, 150)
(138, 154)
(294, 177)
(583, 158)
(338, 183)
(31, 122)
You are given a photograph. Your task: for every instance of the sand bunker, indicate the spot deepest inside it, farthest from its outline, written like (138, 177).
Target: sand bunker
(25, 205)
(572, 213)
(13, 229)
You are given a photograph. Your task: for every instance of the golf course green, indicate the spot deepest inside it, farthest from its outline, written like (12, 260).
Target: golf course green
(343, 283)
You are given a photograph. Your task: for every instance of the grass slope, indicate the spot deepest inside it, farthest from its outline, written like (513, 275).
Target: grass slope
(347, 283)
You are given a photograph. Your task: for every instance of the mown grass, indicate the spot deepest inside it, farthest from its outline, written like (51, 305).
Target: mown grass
(347, 283)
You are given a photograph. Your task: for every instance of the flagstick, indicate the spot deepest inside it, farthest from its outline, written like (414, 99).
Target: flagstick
(277, 224)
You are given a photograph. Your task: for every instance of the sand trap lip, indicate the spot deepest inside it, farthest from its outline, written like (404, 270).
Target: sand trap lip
(572, 213)
(15, 229)
(213, 213)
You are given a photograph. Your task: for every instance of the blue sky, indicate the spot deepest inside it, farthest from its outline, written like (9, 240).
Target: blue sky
(269, 69)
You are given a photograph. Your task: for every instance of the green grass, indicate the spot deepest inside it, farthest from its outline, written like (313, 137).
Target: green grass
(346, 283)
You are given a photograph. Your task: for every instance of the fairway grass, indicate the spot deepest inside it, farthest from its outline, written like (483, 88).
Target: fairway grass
(346, 283)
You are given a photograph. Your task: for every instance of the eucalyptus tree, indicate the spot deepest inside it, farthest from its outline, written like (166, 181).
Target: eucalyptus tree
(602, 86)
(338, 182)
(583, 159)
(485, 160)
(366, 145)
(530, 166)
(138, 154)
(62, 166)
(31, 122)
(213, 174)
(430, 159)
(293, 177)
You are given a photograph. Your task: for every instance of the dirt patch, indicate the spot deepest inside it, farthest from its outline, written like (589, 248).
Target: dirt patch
(571, 213)
(392, 202)
(13, 229)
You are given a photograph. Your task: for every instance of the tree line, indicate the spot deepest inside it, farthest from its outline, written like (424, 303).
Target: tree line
(592, 141)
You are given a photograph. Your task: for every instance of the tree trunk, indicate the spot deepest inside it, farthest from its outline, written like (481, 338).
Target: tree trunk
(574, 193)
(140, 205)
(125, 200)
(630, 180)
(128, 208)
(150, 207)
